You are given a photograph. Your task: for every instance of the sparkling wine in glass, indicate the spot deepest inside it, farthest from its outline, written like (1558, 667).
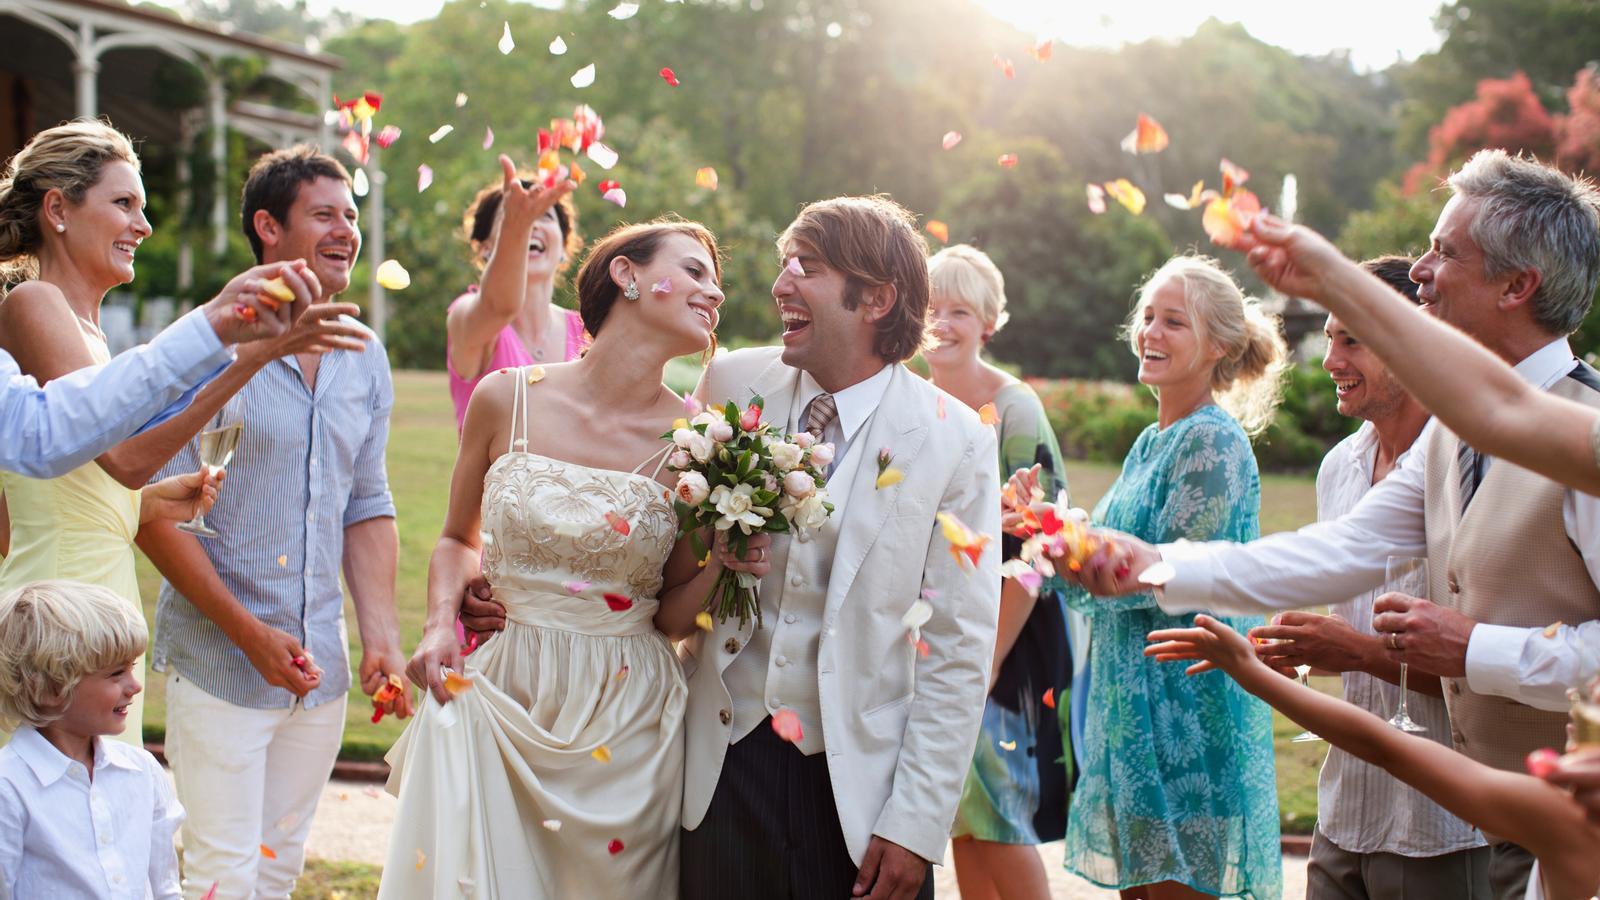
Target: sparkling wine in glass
(217, 442)
(1406, 575)
(1304, 737)
(1585, 716)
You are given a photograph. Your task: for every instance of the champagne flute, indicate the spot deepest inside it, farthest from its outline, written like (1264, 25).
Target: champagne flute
(1585, 716)
(217, 441)
(1302, 673)
(1406, 575)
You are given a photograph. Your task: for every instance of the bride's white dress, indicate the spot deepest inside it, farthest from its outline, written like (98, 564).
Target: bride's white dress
(504, 792)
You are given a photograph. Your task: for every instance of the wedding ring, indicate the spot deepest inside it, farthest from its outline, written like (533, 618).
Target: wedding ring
(1394, 641)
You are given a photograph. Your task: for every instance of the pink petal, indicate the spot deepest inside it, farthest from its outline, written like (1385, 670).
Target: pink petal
(575, 587)
(793, 267)
(951, 138)
(664, 286)
(424, 177)
(617, 196)
(488, 138)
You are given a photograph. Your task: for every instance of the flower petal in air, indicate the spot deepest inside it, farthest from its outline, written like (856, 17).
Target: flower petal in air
(387, 135)
(575, 587)
(1125, 192)
(951, 138)
(1197, 195)
(1097, 198)
(488, 137)
(669, 76)
(702, 621)
(917, 616)
(212, 893)
(618, 602)
(603, 156)
(359, 184)
(602, 753)
(1008, 746)
(1007, 160)
(939, 230)
(355, 144)
(617, 196)
(623, 11)
(1146, 137)
(422, 859)
(988, 414)
(392, 276)
(1042, 50)
(793, 267)
(614, 847)
(506, 43)
(583, 77)
(786, 724)
(939, 407)
(1541, 762)
(664, 286)
(1226, 218)
(551, 824)
(618, 523)
(706, 177)
(268, 852)
(558, 46)
(966, 545)
(1005, 66)
(440, 133)
(1553, 629)
(461, 100)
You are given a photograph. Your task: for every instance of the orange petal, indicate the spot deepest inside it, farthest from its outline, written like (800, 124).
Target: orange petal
(1008, 160)
(1147, 137)
(456, 685)
(1042, 50)
(1226, 218)
(939, 230)
(618, 523)
(1552, 629)
(1232, 177)
(602, 753)
(706, 177)
(422, 859)
(940, 406)
(988, 414)
(922, 649)
(1050, 697)
(1005, 66)
(268, 852)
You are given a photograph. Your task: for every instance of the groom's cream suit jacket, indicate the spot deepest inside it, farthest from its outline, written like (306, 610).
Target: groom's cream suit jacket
(898, 728)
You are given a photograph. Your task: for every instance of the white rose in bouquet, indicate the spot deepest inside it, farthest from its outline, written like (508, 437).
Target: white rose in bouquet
(738, 508)
(803, 439)
(720, 431)
(679, 459)
(706, 417)
(822, 455)
(696, 444)
(799, 485)
(810, 513)
(786, 457)
(692, 488)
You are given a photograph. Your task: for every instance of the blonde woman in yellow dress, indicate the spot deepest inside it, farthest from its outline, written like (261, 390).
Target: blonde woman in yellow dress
(71, 218)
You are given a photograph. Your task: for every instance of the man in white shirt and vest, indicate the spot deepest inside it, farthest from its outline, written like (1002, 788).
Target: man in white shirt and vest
(1376, 838)
(1513, 262)
(861, 804)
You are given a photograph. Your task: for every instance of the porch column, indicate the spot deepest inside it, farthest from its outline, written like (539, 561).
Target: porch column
(217, 96)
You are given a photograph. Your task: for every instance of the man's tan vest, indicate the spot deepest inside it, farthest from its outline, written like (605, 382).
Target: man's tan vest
(1508, 561)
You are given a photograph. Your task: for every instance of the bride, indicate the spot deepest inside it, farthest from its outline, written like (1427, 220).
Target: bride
(550, 762)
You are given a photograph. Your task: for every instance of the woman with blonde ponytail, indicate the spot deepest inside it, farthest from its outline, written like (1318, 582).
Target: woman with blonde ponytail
(71, 218)
(1177, 796)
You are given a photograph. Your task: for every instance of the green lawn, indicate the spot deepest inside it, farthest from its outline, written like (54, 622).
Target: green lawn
(422, 450)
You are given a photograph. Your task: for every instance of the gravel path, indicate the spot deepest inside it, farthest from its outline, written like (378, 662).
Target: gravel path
(352, 823)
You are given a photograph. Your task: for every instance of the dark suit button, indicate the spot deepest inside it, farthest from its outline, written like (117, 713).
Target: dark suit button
(725, 715)
(732, 645)
(1454, 585)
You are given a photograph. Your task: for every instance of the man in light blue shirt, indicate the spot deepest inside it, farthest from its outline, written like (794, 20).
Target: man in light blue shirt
(47, 431)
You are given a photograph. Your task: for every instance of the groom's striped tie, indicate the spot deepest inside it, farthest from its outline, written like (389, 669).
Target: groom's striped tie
(1469, 463)
(820, 414)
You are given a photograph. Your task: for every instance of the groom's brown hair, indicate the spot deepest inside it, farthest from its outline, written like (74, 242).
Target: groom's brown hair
(872, 241)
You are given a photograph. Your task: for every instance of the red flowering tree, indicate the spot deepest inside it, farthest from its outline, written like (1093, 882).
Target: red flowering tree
(1505, 114)
(1578, 132)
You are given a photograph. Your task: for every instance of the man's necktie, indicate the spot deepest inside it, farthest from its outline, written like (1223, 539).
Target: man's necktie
(1470, 463)
(820, 414)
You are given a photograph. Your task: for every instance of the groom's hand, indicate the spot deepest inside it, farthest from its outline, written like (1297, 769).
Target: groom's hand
(480, 613)
(889, 872)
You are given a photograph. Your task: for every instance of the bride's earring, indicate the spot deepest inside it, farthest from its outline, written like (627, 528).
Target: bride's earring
(631, 291)
(60, 227)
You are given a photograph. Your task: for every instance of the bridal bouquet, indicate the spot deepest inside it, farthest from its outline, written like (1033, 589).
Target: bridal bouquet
(741, 476)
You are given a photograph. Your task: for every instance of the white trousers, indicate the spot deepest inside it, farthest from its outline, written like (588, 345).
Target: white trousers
(249, 778)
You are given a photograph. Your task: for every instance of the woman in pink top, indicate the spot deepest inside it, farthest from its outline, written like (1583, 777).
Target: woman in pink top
(509, 320)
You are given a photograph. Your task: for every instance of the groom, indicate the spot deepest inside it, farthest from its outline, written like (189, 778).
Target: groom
(861, 803)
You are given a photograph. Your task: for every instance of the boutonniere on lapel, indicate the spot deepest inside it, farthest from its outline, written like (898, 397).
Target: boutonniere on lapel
(887, 474)
(740, 476)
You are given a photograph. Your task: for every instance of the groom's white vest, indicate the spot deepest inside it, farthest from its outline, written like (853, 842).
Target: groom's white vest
(898, 729)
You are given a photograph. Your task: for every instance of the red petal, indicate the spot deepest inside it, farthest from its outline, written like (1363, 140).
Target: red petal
(669, 77)
(1008, 160)
(787, 726)
(1050, 697)
(618, 603)
(614, 847)
(606, 186)
(618, 523)
(374, 99)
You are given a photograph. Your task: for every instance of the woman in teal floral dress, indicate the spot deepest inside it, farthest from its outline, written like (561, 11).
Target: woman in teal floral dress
(1016, 792)
(1178, 795)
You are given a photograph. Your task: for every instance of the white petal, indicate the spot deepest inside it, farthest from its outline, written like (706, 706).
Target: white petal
(624, 11)
(439, 133)
(558, 46)
(361, 186)
(506, 43)
(583, 77)
(603, 156)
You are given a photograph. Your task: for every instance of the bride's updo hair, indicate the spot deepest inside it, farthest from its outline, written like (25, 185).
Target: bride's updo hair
(1248, 379)
(597, 293)
(68, 158)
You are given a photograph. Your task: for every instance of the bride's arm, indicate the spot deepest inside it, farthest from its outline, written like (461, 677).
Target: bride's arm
(455, 559)
(685, 585)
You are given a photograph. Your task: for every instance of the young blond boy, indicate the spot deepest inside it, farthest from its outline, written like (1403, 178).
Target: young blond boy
(79, 816)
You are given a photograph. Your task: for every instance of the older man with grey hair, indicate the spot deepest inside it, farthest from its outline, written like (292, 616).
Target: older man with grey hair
(1513, 262)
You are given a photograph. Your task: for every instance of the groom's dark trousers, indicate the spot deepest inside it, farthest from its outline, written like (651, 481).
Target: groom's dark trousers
(771, 831)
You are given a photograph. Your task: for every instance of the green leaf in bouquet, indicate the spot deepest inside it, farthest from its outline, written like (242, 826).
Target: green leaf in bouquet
(763, 497)
(778, 524)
